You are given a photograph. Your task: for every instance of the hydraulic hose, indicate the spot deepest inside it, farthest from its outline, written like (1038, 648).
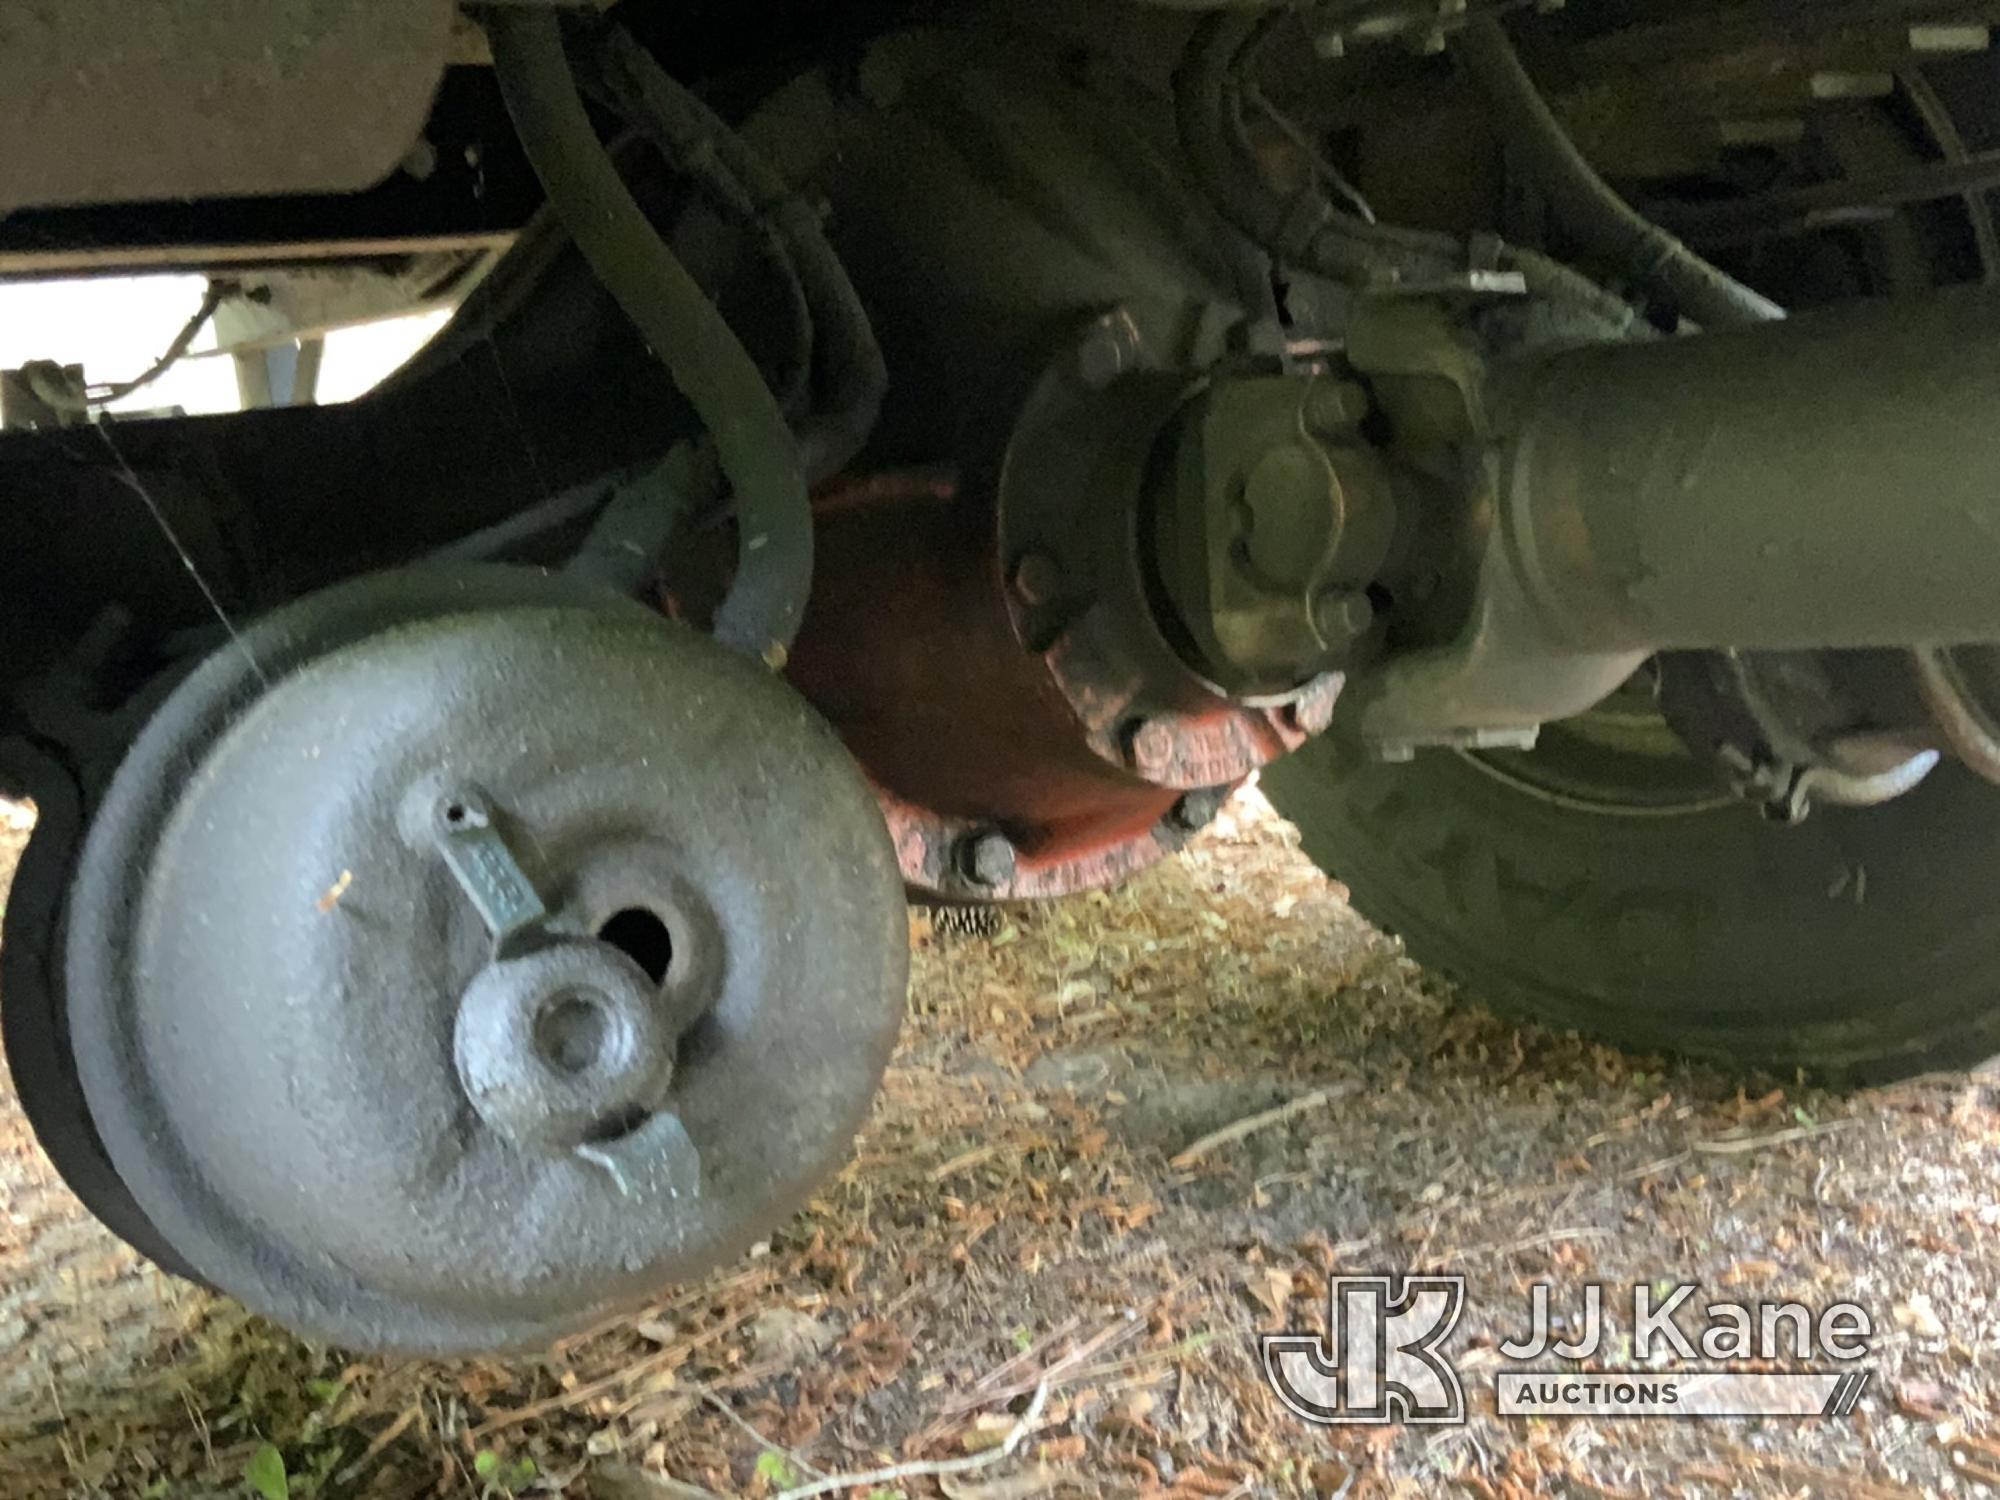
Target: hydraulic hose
(849, 374)
(706, 360)
(643, 515)
(1586, 205)
(1309, 229)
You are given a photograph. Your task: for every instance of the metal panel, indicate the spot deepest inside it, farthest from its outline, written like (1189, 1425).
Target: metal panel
(104, 101)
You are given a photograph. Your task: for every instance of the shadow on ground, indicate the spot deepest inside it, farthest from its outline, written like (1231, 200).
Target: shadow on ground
(1124, 1134)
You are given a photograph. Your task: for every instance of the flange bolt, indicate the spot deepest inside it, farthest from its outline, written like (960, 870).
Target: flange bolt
(1340, 617)
(1038, 578)
(1334, 407)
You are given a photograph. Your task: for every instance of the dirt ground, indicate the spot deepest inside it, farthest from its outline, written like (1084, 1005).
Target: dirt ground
(1025, 1233)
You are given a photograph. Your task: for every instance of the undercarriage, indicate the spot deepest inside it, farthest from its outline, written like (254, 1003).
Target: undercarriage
(943, 455)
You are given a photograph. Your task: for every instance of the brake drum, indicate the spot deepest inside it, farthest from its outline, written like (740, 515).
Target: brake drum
(462, 954)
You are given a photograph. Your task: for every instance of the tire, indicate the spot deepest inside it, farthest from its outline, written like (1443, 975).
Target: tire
(1859, 946)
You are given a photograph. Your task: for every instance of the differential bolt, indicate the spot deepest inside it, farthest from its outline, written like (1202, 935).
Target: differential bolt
(1198, 808)
(1149, 748)
(987, 859)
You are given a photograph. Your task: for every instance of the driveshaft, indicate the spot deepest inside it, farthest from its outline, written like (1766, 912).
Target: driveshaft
(1830, 481)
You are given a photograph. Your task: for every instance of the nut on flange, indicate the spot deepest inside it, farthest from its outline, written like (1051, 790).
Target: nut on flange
(1275, 518)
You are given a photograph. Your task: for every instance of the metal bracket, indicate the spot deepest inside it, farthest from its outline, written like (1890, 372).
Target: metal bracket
(659, 1159)
(486, 870)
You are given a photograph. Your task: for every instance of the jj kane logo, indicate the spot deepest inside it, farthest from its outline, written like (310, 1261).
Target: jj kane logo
(1383, 1356)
